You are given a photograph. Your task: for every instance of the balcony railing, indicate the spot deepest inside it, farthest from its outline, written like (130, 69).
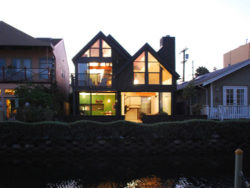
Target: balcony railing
(227, 112)
(24, 74)
(98, 79)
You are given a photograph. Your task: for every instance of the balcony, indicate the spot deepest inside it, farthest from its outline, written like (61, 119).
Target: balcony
(94, 80)
(26, 75)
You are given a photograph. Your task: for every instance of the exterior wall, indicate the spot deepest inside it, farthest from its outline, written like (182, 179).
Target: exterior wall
(62, 69)
(237, 55)
(33, 53)
(238, 78)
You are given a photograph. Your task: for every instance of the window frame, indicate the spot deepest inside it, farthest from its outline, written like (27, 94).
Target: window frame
(147, 72)
(235, 96)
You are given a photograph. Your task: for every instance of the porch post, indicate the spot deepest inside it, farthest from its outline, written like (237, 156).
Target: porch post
(211, 95)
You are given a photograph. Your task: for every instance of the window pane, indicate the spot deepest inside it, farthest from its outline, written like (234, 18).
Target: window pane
(139, 78)
(16, 63)
(86, 54)
(84, 101)
(26, 63)
(166, 77)
(96, 44)
(166, 102)
(229, 97)
(94, 52)
(151, 57)
(153, 78)
(139, 67)
(141, 57)
(106, 52)
(2, 63)
(153, 67)
(105, 45)
(103, 104)
(240, 96)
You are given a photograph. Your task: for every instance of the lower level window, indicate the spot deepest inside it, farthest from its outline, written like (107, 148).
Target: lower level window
(97, 104)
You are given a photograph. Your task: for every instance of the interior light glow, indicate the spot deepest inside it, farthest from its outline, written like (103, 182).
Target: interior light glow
(136, 81)
(108, 101)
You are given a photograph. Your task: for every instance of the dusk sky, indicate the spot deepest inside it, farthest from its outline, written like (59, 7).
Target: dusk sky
(209, 28)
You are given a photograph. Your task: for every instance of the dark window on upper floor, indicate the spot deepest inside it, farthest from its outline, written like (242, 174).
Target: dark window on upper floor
(46, 68)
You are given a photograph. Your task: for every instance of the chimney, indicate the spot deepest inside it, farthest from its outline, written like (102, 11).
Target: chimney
(167, 51)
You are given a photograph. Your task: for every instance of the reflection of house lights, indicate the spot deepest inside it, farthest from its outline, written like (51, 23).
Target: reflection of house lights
(108, 100)
(136, 81)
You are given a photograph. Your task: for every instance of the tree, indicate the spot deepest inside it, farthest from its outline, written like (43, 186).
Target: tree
(201, 70)
(189, 92)
(37, 102)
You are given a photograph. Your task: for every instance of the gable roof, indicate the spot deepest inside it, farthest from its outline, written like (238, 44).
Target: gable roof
(209, 78)
(147, 47)
(110, 40)
(50, 40)
(10, 36)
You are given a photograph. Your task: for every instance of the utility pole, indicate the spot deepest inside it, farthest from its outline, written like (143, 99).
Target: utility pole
(184, 61)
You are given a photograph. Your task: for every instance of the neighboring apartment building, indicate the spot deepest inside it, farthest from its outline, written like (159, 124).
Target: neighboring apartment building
(24, 59)
(110, 82)
(237, 55)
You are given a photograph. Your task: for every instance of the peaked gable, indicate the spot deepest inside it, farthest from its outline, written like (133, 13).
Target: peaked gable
(11, 36)
(109, 41)
(148, 48)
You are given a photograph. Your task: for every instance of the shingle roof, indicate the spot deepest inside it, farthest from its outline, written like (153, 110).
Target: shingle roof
(50, 40)
(10, 36)
(213, 76)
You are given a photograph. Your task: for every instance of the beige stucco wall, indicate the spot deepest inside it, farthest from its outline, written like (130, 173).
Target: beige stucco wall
(238, 78)
(237, 55)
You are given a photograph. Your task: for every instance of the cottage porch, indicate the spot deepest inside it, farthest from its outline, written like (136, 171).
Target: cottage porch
(227, 112)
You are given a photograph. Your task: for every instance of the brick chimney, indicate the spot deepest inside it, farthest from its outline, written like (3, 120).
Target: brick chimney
(167, 51)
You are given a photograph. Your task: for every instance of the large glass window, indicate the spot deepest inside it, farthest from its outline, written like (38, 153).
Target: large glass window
(46, 67)
(99, 49)
(147, 64)
(21, 69)
(2, 65)
(97, 104)
(95, 74)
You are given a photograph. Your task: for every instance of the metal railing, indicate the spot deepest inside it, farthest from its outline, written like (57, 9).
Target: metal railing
(97, 79)
(227, 112)
(25, 74)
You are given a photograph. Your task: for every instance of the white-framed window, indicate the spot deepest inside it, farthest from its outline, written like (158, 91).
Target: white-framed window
(235, 95)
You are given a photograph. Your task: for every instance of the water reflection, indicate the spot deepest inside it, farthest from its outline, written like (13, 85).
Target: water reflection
(151, 182)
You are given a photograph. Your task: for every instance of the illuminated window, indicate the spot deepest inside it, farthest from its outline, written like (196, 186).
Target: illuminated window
(9, 91)
(147, 64)
(95, 74)
(97, 104)
(99, 49)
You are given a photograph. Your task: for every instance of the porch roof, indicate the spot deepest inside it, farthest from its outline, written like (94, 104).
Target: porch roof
(209, 78)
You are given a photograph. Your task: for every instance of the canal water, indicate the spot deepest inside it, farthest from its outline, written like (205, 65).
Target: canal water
(69, 178)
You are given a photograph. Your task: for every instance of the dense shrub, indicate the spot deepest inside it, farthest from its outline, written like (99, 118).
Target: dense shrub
(185, 130)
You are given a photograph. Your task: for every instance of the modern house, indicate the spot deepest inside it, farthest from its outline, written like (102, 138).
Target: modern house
(25, 59)
(224, 93)
(109, 81)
